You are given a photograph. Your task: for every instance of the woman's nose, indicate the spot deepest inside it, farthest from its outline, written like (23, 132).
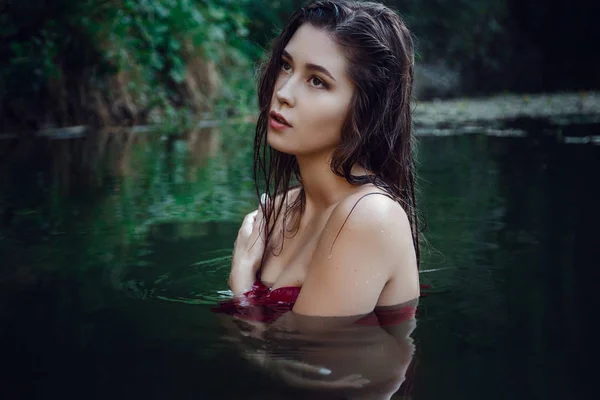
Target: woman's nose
(284, 93)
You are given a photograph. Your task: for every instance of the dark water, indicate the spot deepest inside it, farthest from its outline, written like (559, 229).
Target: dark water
(107, 277)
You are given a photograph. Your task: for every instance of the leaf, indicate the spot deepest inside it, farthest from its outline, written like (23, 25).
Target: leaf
(177, 72)
(156, 61)
(216, 13)
(198, 17)
(216, 33)
(162, 12)
(174, 44)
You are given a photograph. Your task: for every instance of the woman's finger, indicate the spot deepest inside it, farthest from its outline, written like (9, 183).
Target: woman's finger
(248, 224)
(252, 215)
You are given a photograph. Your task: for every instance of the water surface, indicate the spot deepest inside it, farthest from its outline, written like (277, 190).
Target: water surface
(107, 275)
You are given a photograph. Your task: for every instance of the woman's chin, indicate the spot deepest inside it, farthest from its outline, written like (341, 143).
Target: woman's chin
(274, 140)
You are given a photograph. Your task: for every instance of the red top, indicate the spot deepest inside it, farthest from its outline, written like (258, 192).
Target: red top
(261, 303)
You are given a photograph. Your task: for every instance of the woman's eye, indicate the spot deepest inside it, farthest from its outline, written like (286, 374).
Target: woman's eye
(285, 66)
(317, 82)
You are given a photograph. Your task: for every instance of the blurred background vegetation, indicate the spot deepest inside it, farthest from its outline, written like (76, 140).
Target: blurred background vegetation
(107, 62)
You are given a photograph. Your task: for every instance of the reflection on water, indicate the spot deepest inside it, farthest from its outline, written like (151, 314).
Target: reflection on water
(362, 357)
(106, 289)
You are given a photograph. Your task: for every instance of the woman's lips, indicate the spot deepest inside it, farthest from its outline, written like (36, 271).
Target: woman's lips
(276, 124)
(279, 118)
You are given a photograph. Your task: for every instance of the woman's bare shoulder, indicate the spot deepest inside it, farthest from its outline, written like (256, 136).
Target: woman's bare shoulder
(371, 202)
(371, 210)
(364, 246)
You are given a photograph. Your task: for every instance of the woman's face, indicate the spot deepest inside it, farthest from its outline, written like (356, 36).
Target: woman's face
(312, 93)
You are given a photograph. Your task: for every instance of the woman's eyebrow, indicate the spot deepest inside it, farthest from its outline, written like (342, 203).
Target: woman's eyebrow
(314, 67)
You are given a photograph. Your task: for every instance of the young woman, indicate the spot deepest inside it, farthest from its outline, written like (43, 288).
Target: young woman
(335, 117)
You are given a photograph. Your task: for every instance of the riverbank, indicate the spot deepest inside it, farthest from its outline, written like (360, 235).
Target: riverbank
(572, 115)
(507, 106)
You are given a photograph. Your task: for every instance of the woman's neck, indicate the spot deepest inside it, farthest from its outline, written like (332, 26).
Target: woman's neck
(322, 187)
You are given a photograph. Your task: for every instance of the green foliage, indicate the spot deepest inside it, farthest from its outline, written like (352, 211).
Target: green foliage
(57, 56)
(149, 44)
(32, 43)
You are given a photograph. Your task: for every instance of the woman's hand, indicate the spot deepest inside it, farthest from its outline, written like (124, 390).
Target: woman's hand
(248, 250)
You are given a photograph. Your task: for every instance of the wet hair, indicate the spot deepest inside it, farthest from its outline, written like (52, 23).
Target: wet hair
(377, 132)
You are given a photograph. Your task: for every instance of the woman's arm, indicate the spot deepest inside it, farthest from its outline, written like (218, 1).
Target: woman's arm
(248, 251)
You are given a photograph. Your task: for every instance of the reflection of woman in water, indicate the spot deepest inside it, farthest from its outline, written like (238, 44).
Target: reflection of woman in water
(335, 116)
(353, 357)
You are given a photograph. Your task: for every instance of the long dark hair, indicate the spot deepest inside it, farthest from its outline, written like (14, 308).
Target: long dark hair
(377, 133)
